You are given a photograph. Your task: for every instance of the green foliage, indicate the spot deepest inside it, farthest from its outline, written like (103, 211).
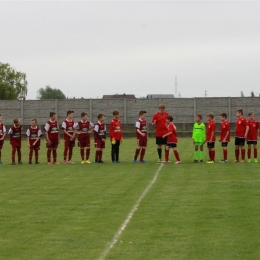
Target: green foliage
(13, 84)
(50, 93)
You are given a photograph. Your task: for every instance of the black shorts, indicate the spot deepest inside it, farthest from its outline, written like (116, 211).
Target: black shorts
(252, 142)
(240, 141)
(172, 145)
(211, 145)
(160, 140)
(224, 144)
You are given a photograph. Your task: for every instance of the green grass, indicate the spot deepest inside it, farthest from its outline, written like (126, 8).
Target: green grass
(192, 211)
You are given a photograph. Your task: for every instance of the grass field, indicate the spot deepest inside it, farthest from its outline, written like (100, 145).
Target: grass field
(190, 211)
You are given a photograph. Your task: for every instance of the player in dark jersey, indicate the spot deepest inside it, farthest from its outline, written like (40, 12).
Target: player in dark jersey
(252, 136)
(69, 136)
(15, 133)
(34, 134)
(224, 135)
(211, 137)
(83, 128)
(2, 136)
(100, 137)
(52, 138)
(141, 135)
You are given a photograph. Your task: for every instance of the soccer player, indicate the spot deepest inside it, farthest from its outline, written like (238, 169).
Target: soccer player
(100, 137)
(15, 133)
(83, 129)
(224, 135)
(171, 140)
(115, 136)
(159, 122)
(52, 138)
(2, 136)
(69, 136)
(211, 137)
(141, 135)
(241, 135)
(34, 134)
(198, 138)
(252, 136)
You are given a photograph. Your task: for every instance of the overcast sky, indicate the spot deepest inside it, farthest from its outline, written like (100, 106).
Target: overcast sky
(88, 49)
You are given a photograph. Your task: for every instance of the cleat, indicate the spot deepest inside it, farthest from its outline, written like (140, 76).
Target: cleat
(56, 163)
(82, 162)
(164, 162)
(142, 161)
(255, 160)
(70, 161)
(96, 162)
(249, 160)
(100, 162)
(210, 161)
(118, 161)
(29, 162)
(113, 161)
(1, 162)
(87, 162)
(242, 161)
(195, 161)
(222, 161)
(37, 163)
(49, 163)
(134, 160)
(201, 161)
(13, 163)
(64, 162)
(20, 162)
(235, 161)
(159, 161)
(178, 162)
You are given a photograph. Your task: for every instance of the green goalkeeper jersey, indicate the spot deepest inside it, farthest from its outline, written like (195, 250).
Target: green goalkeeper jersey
(199, 132)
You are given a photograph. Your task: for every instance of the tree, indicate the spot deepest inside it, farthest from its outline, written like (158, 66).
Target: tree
(252, 94)
(50, 93)
(13, 84)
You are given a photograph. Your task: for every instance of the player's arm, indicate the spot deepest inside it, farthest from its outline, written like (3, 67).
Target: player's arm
(28, 138)
(154, 120)
(137, 126)
(4, 133)
(111, 131)
(247, 129)
(96, 129)
(91, 130)
(10, 132)
(39, 134)
(63, 127)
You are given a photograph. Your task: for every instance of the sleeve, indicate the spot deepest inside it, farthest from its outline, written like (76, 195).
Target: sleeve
(39, 133)
(91, 125)
(96, 128)
(28, 132)
(193, 132)
(245, 123)
(228, 127)
(10, 132)
(76, 126)
(154, 118)
(4, 129)
(111, 131)
(137, 124)
(174, 128)
(47, 127)
(63, 126)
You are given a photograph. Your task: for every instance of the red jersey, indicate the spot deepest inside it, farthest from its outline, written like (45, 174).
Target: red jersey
(141, 125)
(15, 135)
(224, 128)
(84, 127)
(253, 130)
(100, 131)
(68, 126)
(159, 120)
(52, 128)
(115, 129)
(33, 134)
(211, 127)
(241, 125)
(172, 138)
(2, 130)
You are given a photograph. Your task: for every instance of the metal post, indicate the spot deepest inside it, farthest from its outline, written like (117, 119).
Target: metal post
(195, 107)
(229, 108)
(125, 111)
(90, 109)
(22, 115)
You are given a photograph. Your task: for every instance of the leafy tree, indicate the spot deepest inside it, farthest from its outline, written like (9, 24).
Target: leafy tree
(252, 94)
(50, 93)
(13, 84)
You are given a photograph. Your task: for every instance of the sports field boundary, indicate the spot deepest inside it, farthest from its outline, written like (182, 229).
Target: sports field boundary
(129, 216)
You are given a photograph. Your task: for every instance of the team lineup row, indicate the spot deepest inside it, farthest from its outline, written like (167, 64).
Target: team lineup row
(246, 130)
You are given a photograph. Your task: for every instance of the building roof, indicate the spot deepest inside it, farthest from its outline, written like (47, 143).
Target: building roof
(127, 96)
(160, 96)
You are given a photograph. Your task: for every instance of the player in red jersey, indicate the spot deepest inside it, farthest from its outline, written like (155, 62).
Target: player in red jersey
(69, 136)
(159, 122)
(83, 129)
(115, 136)
(252, 136)
(2, 136)
(15, 133)
(141, 134)
(211, 137)
(100, 137)
(224, 135)
(241, 135)
(171, 140)
(34, 134)
(52, 137)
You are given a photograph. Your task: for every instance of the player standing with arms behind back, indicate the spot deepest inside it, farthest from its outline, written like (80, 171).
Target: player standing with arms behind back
(2, 136)
(100, 137)
(52, 138)
(241, 135)
(159, 122)
(211, 137)
(141, 134)
(224, 135)
(253, 136)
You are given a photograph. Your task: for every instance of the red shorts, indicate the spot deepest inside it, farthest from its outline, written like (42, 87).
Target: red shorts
(68, 143)
(99, 144)
(16, 143)
(84, 142)
(142, 142)
(1, 144)
(54, 144)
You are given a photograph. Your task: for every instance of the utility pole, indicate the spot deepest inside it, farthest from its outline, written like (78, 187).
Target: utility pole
(206, 93)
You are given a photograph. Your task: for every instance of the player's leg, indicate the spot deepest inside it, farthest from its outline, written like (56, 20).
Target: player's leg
(82, 152)
(100, 156)
(249, 146)
(71, 145)
(167, 148)
(113, 152)
(30, 154)
(137, 150)
(13, 153)
(176, 154)
(237, 144)
(19, 153)
(65, 151)
(159, 147)
(54, 154)
(87, 154)
(1, 146)
(196, 153)
(117, 151)
(49, 155)
(201, 153)
(144, 145)
(255, 152)
(243, 153)
(36, 154)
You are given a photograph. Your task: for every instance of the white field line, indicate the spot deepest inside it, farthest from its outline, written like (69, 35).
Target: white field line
(129, 216)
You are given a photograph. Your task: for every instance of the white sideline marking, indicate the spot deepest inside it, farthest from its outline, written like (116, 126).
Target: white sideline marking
(129, 216)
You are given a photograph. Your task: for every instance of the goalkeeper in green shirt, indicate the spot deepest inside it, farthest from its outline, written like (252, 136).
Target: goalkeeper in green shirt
(198, 138)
